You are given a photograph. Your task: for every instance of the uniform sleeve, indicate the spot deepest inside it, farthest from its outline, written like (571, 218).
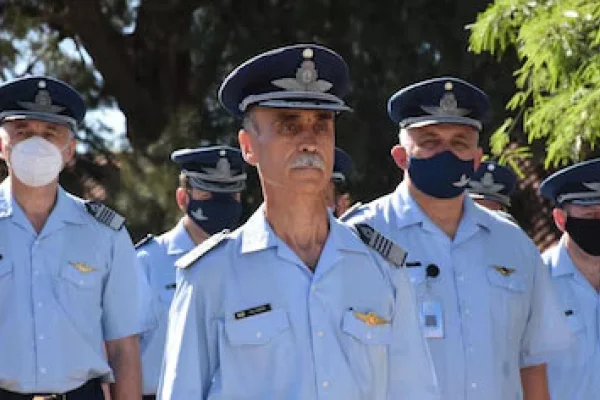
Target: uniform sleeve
(125, 292)
(547, 334)
(412, 375)
(187, 367)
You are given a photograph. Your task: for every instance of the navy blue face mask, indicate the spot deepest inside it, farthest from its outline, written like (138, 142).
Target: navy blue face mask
(220, 212)
(443, 176)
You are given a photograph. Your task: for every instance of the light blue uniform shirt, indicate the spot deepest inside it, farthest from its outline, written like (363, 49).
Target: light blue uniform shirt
(576, 375)
(310, 344)
(63, 292)
(157, 258)
(495, 320)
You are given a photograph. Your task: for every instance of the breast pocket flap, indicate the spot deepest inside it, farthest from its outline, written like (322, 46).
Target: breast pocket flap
(257, 329)
(513, 281)
(368, 334)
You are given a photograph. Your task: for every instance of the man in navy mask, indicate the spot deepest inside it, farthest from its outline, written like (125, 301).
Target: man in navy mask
(209, 193)
(485, 299)
(574, 268)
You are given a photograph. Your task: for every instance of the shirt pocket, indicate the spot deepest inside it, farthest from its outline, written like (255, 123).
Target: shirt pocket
(252, 351)
(257, 329)
(367, 350)
(80, 275)
(509, 303)
(80, 288)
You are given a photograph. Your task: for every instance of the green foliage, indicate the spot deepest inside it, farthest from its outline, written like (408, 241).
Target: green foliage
(558, 82)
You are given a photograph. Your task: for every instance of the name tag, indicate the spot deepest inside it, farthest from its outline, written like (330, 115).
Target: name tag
(432, 319)
(252, 311)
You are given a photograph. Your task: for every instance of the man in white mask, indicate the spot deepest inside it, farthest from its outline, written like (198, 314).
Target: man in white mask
(68, 284)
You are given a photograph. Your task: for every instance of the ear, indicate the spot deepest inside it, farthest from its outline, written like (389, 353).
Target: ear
(477, 158)
(400, 156)
(560, 218)
(245, 139)
(70, 151)
(182, 198)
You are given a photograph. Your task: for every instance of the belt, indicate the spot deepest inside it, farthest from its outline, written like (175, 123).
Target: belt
(91, 390)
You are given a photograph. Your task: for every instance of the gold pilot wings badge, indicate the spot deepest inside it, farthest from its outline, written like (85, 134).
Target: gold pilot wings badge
(82, 267)
(504, 271)
(371, 318)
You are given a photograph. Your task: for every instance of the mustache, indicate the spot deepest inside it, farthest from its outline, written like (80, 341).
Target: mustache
(311, 160)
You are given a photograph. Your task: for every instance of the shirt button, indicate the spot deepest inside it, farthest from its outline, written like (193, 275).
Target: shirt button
(474, 385)
(470, 349)
(36, 272)
(460, 277)
(43, 370)
(313, 288)
(259, 334)
(41, 337)
(369, 336)
(40, 304)
(320, 334)
(467, 311)
(325, 384)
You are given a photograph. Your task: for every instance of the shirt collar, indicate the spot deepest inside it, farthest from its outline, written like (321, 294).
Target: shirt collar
(66, 208)
(408, 212)
(560, 261)
(180, 240)
(257, 234)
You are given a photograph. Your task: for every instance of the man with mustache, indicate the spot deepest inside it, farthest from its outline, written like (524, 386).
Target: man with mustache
(292, 305)
(486, 303)
(575, 270)
(209, 193)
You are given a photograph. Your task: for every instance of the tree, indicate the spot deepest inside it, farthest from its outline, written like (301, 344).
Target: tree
(161, 61)
(558, 80)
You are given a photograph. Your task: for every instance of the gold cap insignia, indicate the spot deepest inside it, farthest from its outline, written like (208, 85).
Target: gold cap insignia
(504, 271)
(371, 318)
(82, 267)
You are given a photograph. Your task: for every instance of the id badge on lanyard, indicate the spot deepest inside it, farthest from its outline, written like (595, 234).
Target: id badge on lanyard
(431, 313)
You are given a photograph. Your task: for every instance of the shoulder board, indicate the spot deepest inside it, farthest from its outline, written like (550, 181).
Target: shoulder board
(350, 212)
(194, 255)
(387, 249)
(147, 239)
(105, 215)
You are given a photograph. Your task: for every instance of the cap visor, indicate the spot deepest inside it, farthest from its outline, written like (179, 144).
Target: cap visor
(304, 105)
(432, 120)
(55, 119)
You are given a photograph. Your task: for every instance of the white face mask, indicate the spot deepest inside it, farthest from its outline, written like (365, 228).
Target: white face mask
(36, 162)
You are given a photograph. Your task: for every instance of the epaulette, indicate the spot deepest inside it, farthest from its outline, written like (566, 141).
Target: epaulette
(350, 212)
(147, 239)
(387, 249)
(105, 215)
(194, 255)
